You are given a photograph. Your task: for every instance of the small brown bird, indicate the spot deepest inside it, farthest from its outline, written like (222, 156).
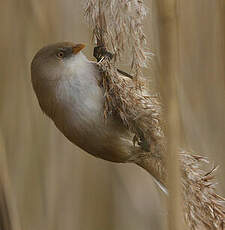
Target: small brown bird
(67, 87)
(69, 91)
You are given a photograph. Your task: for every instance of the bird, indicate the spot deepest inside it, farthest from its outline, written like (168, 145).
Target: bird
(68, 89)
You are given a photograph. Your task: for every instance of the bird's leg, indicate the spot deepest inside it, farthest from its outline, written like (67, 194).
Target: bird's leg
(145, 145)
(100, 53)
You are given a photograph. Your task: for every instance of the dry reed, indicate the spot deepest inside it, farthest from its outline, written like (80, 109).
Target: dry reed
(9, 218)
(169, 75)
(118, 26)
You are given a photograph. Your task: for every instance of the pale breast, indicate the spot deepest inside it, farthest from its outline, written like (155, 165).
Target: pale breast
(79, 116)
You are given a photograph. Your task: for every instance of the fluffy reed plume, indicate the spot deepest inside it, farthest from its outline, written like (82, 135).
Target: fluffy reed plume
(118, 26)
(203, 207)
(140, 114)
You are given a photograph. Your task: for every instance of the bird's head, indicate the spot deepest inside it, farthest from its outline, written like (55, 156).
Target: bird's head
(51, 61)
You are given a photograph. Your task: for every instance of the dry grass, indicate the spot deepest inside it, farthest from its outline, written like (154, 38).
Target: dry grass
(142, 114)
(204, 208)
(118, 25)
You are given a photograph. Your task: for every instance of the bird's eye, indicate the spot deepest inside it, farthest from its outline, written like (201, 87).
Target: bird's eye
(60, 54)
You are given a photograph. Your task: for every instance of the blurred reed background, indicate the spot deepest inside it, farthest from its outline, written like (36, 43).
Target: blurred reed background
(55, 185)
(201, 81)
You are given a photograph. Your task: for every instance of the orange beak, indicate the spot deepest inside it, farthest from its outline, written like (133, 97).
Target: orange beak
(77, 48)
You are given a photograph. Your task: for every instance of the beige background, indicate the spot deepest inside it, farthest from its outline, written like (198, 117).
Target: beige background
(55, 184)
